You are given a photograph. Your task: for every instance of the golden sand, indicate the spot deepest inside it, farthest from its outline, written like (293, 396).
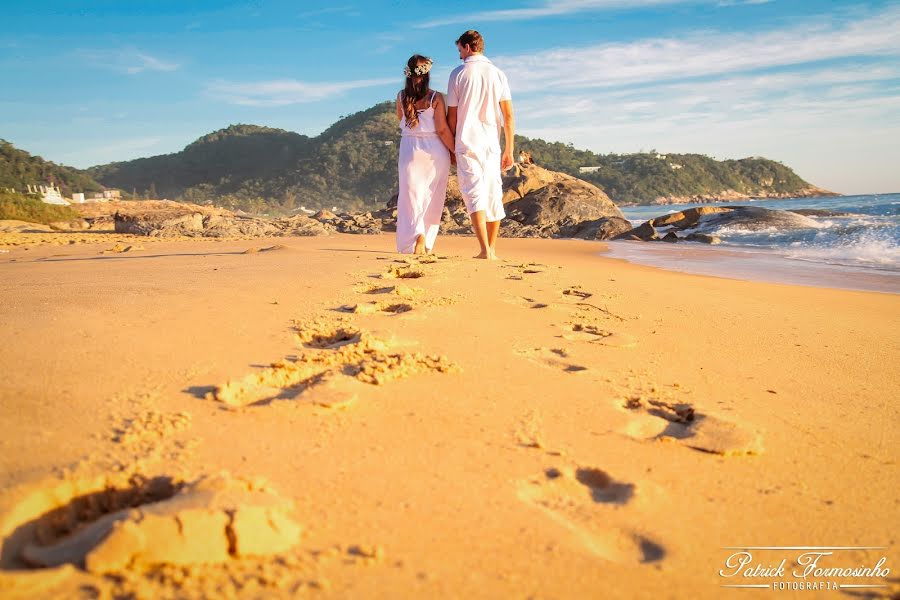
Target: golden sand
(327, 418)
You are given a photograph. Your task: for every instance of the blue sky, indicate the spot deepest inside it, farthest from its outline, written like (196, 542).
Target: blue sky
(814, 84)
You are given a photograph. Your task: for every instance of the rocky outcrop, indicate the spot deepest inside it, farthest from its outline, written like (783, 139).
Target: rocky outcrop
(712, 218)
(821, 212)
(173, 219)
(735, 196)
(551, 204)
(604, 228)
(367, 222)
(160, 223)
(703, 238)
(644, 232)
(538, 202)
(688, 218)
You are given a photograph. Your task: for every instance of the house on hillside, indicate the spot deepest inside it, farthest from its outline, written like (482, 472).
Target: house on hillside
(106, 195)
(588, 169)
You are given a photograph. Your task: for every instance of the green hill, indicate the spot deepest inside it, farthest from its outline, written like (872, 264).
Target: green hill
(19, 169)
(645, 177)
(353, 165)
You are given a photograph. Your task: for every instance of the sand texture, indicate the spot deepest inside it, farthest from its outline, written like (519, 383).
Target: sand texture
(325, 418)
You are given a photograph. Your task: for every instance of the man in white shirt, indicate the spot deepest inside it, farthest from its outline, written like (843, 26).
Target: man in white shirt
(479, 106)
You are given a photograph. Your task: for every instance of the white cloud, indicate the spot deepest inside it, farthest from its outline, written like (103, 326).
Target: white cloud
(700, 55)
(126, 60)
(283, 92)
(145, 62)
(740, 2)
(551, 8)
(834, 127)
(330, 10)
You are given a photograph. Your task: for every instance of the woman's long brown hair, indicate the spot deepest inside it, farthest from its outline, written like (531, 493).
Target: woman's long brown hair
(415, 89)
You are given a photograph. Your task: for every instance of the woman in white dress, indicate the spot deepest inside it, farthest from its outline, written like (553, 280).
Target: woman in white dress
(426, 145)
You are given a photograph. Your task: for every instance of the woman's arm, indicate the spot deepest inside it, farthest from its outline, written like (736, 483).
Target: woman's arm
(440, 123)
(399, 107)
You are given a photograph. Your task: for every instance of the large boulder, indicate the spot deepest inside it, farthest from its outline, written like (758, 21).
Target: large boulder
(600, 229)
(160, 223)
(688, 218)
(821, 212)
(755, 218)
(547, 199)
(704, 221)
(645, 231)
(225, 226)
(703, 238)
(522, 179)
(538, 203)
(301, 225)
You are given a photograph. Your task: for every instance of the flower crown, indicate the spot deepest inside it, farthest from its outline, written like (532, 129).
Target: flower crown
(418, 71)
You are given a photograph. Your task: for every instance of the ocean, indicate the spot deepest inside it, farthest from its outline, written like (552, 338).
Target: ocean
(855, 245)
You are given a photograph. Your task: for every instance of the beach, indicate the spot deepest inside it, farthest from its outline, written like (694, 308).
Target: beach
(558, 424)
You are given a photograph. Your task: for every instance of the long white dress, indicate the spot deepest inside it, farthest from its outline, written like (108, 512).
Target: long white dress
(423, 167)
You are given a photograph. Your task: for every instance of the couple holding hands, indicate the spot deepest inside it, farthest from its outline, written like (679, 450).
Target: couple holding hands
(465, 130)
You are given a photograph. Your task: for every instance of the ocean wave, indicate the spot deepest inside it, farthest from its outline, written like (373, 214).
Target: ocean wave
(868, 250)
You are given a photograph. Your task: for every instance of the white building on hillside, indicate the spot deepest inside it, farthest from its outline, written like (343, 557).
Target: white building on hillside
(49, 194)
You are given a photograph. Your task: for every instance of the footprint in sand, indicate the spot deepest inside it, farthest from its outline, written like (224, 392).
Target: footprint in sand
(524, 269)
(109, 528)
(587, 332)
(526, 302)
(403, 272)
(554, 358)
(599, 510)
(403, 291)
(678, 421)
(576, 292)
(371, 308)
(274, 248)
(338, 360)
(412, 297)
(119, 248)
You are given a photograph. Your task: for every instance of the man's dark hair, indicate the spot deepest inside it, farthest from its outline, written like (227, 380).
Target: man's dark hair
(473, 40)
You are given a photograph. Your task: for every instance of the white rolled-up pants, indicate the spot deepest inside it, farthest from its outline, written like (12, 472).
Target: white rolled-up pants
(481, 183)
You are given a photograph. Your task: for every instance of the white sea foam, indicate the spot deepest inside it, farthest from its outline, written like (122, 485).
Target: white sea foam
(867, 250)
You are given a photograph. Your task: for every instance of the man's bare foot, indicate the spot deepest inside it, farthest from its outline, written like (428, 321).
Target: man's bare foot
(420, 245)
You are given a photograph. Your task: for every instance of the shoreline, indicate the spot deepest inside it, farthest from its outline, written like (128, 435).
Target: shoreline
(550, 425)
(753, 264)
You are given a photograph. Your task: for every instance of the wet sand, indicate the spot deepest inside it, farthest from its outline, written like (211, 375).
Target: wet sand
(756, 265)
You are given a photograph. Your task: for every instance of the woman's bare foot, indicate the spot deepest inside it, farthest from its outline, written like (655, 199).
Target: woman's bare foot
(482, 255)
(420, 245)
